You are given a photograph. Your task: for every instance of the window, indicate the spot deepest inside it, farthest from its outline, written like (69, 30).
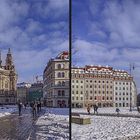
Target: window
(90, 97)
(116, 88)
(91, 91)
(59, 66)
(119, 104)
(81, 98)
(59, 74)
(63, 74)
(76, 98)
(81, 92)
(76, 92)
(76, 81)
(63, 93)
(116, 93)
(95, 98)
(59, 93)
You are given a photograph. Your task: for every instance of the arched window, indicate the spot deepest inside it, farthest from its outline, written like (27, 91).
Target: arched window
(63, 74)
(59, 92)
(59, 74)
(63, 93)
(59, 66)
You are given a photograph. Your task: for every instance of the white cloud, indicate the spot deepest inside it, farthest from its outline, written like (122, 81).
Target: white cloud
(98, 54)
(32, 33)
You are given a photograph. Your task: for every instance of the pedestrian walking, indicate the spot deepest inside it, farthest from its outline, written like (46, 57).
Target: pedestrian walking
(34, 108)
(88, 109)
(19, 107)
(117, 110)
(95, 109)
(40, 106)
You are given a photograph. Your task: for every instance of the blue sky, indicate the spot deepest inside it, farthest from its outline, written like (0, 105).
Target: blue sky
(35, 30)
(107, 32)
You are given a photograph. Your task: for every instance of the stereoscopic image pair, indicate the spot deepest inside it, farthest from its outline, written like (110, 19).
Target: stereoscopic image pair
(69, 69)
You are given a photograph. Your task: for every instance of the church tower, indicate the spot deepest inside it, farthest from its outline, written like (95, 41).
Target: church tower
(9, 61)
(0, 60)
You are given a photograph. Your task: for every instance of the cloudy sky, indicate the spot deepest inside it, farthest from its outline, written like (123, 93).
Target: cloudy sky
(107, 32)
(35, 30)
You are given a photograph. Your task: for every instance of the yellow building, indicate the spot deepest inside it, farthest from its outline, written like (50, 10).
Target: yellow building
(8, 80)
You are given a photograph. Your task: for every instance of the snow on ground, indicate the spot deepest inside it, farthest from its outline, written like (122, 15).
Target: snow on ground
(7, 110)
(109, 110)
(107, 128)
(54, 124)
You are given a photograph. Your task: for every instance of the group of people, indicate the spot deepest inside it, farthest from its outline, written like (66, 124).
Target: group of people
(95, 107)
(36, 107)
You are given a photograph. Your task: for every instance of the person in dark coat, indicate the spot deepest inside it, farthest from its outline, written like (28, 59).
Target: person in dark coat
(19, 107)
(95, 109)
(34, 106)
(117, 110)
(40, 106)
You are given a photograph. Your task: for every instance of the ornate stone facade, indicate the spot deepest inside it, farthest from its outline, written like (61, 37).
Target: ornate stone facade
(56, 81)
(8, 80)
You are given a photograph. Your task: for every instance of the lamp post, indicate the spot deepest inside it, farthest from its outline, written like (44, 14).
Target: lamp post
(131, 67)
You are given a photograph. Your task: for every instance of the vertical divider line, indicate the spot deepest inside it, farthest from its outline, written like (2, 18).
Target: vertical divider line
(70, 56)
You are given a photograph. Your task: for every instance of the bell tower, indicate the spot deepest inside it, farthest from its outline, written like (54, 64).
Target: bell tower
(9, 61)
(0, 60)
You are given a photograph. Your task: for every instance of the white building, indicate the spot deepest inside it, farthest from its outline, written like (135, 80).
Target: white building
(103, 86)
(56, 81)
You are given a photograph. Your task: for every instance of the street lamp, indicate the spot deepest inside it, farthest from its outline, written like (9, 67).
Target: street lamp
(131, 67)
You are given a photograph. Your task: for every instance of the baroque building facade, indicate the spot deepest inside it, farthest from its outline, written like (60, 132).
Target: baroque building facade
(8, 80)
(103, 86)
(56, 81)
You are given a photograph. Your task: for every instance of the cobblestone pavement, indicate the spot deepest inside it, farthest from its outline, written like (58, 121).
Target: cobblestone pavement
(14, 127)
